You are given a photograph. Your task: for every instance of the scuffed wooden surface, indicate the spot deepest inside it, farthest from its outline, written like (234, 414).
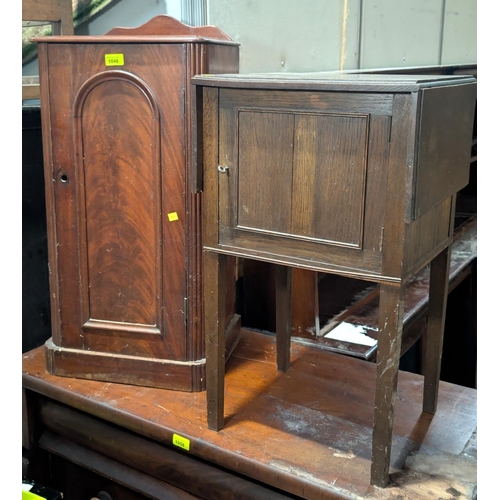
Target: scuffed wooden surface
(307, 432)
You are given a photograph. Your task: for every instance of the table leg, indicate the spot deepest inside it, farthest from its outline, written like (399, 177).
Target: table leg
(214, 287)
(283, 315)
(391, 313)
(438, 296)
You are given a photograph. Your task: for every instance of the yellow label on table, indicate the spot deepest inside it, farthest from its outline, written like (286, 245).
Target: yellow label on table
(172, 216)
(114, 59)
(181, 442)
(27, 495)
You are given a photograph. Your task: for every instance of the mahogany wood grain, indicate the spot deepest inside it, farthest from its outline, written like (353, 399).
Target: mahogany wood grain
(64, 454)
(164, 25)
(306, 432)
(124, 227)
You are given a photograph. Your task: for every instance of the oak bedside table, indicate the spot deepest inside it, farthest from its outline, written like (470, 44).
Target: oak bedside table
(352, 174)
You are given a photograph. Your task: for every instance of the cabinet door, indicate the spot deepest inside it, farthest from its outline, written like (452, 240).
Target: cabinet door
(304, 171)
(117, 146)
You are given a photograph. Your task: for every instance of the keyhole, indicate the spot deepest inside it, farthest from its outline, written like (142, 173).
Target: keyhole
(64, 178)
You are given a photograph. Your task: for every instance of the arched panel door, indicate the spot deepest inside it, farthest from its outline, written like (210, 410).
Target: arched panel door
(119, 164)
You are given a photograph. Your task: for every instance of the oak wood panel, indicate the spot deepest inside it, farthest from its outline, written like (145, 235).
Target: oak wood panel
(426, 235)
(304, 283)
(328, 198)
(346, 261)
(262, 174)
(210, 153)
(356, 81)
(402, 142)
(333, 102)
(376, 181)
(443, 158)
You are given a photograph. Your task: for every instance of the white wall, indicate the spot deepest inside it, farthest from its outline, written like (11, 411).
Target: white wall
(322, 35)
(282, 35)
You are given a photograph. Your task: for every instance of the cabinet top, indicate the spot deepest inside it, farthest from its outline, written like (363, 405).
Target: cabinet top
(159, 29)
(109, 39)
(332, 80)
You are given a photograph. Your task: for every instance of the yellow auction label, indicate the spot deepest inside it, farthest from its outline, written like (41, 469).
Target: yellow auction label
(181, 442)
(114, 59)
(172, 216)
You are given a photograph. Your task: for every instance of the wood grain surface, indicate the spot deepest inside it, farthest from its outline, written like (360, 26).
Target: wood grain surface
(307, 432)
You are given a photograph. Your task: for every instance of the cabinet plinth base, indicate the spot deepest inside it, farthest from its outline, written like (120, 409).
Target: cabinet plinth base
(188, 376)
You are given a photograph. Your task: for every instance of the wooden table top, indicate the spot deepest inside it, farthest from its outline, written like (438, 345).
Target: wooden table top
(307, 432)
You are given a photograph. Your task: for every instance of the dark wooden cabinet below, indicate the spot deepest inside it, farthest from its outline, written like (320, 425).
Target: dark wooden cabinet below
(304, 434)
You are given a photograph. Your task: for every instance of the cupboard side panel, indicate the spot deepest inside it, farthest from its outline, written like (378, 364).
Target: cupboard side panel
(428, 235)
(62, 62)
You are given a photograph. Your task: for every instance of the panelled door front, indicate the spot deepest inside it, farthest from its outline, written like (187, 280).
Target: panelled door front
(304, 167)
(119, 197)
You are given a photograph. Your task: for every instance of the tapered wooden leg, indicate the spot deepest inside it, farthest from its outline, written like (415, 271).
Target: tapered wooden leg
(391, 312)
(283, 315)
(214, 295)
(438, 296)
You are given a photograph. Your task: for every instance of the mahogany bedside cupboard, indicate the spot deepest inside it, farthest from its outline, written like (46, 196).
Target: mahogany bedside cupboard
(124, 230)
(352, 174)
